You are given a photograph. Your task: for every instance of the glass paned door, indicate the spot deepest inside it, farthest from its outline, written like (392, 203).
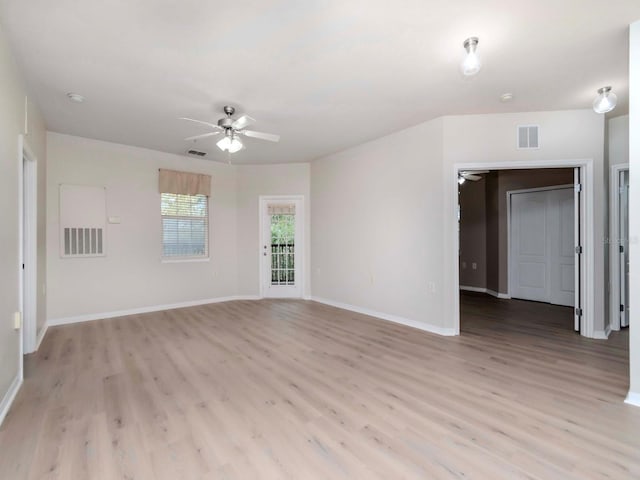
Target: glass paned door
(281, 247)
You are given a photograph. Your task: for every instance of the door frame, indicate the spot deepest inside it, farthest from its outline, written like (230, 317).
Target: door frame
(587, 259)
(509, 242)
(613, 241)
(263, 200)
(28, 235)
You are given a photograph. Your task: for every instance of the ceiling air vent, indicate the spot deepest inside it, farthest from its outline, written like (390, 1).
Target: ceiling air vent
(196, 153)
(528, 137)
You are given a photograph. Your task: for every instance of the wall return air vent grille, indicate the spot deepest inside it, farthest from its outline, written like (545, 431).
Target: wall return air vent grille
(528, 137)
(83, 241)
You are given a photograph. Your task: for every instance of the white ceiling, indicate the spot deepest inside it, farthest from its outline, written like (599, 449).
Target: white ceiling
(323, 74)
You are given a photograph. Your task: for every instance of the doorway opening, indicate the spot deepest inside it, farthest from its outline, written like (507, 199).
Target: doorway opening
(281, 246)
(619, 246)
(28, 267)
(522, 236)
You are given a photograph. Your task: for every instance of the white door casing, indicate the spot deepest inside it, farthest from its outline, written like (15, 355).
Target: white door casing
(275, 289)
(624, 248)
(542, 254)
(618, 290)
(28, 191)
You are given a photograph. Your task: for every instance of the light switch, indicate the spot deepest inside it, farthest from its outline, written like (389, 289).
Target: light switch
(17, 320)
(114, 219)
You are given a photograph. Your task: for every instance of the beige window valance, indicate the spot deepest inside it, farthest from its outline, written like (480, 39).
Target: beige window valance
(184, 183)
(281, 209)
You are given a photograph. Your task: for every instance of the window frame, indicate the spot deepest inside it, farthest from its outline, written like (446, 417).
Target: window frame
(186, 258)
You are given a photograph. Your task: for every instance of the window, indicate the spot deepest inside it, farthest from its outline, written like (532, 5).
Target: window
(185, 225)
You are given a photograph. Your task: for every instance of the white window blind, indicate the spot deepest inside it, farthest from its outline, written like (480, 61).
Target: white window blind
(185, 225)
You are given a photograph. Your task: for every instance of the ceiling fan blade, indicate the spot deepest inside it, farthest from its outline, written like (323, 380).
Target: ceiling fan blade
(212, 125)
(472, 177)
(243, 121)
(261, 135)
(196, 137)
(477, 172)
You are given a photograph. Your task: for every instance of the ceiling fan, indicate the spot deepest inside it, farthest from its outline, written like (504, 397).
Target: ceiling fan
(472, 175)
(232, 129)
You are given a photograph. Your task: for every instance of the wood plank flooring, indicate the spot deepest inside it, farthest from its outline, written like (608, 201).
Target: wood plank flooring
(298, 390)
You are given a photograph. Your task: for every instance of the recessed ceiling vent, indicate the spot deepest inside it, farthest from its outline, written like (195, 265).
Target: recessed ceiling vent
(528, 137)
(196, 153)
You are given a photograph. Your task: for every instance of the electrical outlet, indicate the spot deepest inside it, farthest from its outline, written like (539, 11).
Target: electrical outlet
(464, 265)
(432, 287)
(474, 266)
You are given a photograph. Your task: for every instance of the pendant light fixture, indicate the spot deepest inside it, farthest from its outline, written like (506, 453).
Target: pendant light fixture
(471, 63)
(605, 101)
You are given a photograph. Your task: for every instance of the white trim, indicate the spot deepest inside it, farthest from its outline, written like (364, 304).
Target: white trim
(300, 240)
(390, 318)
(154, 308)
(504, 296)
(602, 334)
(184, 260)
(589, 249)
(633, 398)
(29, 222)
(473, 289)
(614, 229)
(41, 335)
(9, 397)
(493, 293)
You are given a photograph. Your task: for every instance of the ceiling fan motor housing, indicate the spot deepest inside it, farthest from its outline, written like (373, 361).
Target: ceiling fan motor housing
(225, 122)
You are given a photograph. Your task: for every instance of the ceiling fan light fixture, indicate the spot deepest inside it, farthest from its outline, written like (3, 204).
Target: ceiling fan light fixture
(471, 63)
(605, 101)
(230, 144)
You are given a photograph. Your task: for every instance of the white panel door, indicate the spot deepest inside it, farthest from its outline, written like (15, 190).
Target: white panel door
(561, 247)
(529, 246)
(542, 261)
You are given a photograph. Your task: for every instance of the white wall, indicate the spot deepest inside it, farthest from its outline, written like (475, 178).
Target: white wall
(619, 140)
(383, 213)
(564, 135)
(132, 274)
(256, 180)
(12, 121)
(376, 217)
(634, 206)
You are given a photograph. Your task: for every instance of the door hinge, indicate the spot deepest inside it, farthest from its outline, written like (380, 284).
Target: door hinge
(578, 312)
(622, 308)
(621, 249)
(579, 249)
(577, 187)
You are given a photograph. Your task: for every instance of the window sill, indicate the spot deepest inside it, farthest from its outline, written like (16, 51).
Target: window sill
(184, 260)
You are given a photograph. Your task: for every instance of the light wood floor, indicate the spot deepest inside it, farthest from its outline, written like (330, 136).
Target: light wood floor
(299, 390)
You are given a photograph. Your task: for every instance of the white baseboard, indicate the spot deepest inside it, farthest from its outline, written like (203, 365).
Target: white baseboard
(41, 335)
(602, 334)
(154, 308)
(473, 289)
(493, 293)
(5, 405)
(385, 316)
(633, 398)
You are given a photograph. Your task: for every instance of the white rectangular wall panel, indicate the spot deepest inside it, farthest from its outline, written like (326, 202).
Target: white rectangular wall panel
(82, 221)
